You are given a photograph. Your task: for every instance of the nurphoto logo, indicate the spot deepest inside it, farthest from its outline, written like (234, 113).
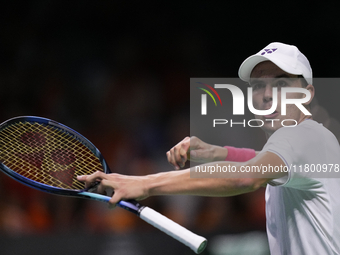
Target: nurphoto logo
(216, 90)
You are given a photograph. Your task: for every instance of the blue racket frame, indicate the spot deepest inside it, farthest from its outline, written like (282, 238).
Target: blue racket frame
(130, 205)
(195, 242)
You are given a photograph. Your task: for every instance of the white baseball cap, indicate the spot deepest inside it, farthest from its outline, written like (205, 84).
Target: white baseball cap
(287, 57)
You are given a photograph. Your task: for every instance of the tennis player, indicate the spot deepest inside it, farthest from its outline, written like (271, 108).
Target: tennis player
(302, 210)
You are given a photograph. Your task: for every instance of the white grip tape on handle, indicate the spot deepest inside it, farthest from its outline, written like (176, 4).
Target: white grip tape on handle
(195, 242)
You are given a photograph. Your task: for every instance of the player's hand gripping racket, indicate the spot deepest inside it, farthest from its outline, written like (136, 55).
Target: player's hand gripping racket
(49, 156)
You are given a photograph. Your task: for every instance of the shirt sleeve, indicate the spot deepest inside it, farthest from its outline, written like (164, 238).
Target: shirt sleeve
(281, 147)
(291, 145)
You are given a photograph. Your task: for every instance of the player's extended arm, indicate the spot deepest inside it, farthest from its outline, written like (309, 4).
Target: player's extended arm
(180, 182)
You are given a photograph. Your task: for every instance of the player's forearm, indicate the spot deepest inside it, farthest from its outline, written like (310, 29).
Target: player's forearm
(180, 182)
(219, 153)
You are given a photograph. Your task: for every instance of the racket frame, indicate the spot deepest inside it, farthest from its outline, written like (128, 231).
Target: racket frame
(195, 242)
(130, 205)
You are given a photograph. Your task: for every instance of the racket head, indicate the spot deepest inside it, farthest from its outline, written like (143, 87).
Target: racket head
(47, 155)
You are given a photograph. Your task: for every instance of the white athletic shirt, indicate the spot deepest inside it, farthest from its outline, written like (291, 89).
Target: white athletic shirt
(302, 209)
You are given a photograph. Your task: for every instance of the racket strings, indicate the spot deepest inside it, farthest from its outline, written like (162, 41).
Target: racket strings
(47, 155)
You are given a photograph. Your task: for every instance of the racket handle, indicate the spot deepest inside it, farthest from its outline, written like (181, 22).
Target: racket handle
(195, 242)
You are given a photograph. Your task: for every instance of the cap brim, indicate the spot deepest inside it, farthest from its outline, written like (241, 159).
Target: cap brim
(248, 65)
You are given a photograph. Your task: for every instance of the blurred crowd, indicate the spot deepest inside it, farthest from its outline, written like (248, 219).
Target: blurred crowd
(127, 92)
(133, 117)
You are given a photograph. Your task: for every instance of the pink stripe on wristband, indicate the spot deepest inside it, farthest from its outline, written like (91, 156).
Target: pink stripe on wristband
(239, 154)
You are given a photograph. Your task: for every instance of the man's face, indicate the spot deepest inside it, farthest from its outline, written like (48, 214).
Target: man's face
(264, 77)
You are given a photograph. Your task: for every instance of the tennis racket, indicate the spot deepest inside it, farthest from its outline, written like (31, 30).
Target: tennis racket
(48, 156)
